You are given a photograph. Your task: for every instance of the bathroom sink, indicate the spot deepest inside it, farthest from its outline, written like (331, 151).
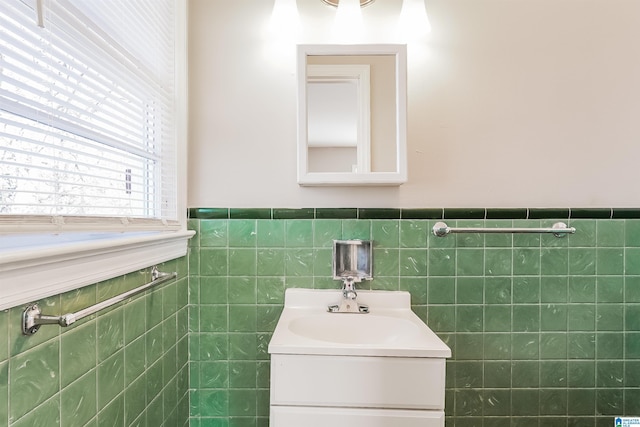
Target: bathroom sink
(390, 329)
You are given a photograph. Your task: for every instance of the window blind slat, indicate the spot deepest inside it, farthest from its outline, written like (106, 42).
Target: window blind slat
(86, 109)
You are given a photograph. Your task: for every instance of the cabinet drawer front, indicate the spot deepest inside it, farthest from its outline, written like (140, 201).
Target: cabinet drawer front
(287, 416)
(364, 382)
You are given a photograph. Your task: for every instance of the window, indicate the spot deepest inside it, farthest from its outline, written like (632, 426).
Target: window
(89, 129)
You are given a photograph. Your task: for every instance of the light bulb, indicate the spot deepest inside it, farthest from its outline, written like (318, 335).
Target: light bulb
(285, 21)
(348, 22)
(414, 22)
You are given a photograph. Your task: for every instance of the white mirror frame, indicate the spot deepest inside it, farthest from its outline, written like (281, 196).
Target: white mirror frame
(363, 176)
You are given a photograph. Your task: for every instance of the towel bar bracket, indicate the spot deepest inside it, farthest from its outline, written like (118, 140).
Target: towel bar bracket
(32, 317)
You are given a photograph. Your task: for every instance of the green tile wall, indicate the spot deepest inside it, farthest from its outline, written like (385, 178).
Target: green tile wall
(544, 331)
(124, 366)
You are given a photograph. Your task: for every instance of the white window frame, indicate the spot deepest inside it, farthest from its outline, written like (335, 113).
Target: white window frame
(40, 260)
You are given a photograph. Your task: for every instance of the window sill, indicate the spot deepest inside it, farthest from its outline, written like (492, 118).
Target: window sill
(37, 266)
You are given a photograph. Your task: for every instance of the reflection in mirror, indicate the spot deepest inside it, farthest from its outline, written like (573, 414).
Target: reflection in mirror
(352, 115)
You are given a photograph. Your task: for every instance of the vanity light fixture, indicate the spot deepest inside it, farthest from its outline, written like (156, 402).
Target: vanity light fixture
(413, 22)
(284, 18)
(335, 3)
(348, 24)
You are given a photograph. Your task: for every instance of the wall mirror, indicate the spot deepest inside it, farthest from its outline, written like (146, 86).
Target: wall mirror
(352, 114)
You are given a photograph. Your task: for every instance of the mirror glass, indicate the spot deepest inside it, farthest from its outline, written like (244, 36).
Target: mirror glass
(351, 114)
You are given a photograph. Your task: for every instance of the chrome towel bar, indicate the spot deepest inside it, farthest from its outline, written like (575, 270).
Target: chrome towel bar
(32, 317)
(559, 229)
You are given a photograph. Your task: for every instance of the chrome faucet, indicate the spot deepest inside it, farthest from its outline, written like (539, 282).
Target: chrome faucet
(348, 304)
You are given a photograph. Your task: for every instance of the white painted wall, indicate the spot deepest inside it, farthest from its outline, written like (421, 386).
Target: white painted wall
(528, 103)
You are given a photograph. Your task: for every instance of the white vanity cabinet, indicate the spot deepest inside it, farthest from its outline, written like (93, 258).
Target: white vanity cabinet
(352, 391)
(349, 370)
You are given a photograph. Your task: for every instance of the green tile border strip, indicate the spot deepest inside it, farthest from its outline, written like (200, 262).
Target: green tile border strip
(414, 213)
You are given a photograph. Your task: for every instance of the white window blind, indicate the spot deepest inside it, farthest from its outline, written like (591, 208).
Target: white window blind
(87, 105)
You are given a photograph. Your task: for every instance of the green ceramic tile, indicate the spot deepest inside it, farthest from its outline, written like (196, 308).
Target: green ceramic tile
(267, 317)
(526, 318)
(325, 231)
(208, 213)
(441, 262)
(214, 233)
(545, 213)
(632, 317)
(554, 289)
(582, 289)
(336, 213)
(413, 262)
(464, 213)
(4, 393)
(581, 373)
(110, 333)
(243, 346)
(470, 262)
(609, 373)
(497, 374)
(553, 317)
(214, 290)
(498, 290)
(378, 213)
(386, 233)
(34, 378)
(242, 233)
(497, 346)
(581, 345)
(79, 401)
(525, 374)
(468, 403)
(422, 213)
(323, 263)
(525, 402)
(553, 345)
(554, 261)
(497, 262)
(299, 233)
(242, 402)
(213, 318)
(468, 374)
(242, 290)
(553, 402)
(154, 384)
(526, 261)
(497, 318)
(299, 262)
(469, 346)
(580, 401)
(135, 362)
(153, 344)
(441, 290)
(213, 346)
(270, 233)
(242, 374)
(250, 213)
(413, 233)
(632, 261)
(610, 261)
(610, 233)
(45, 415)
(78, 352)
(609, 345)
(553, 373)
(242, 262)
(242, 318)
(526, 289)
(214, 262)
(525, 346)
(214, 374)
(582, 261)
(270, 290)
(386, 262)
(441, 318)
(632, 289)
(469, 318)
(305, 213)
(112, 414)
(469, 290)
(134, 319)
(356, 229)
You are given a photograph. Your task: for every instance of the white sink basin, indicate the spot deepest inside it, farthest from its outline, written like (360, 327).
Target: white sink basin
(390, 329)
